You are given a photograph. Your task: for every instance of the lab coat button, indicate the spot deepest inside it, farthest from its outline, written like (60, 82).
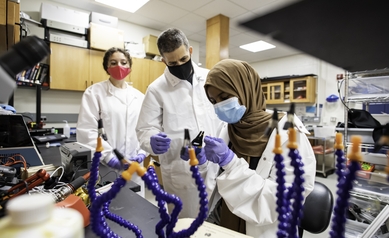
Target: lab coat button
(264, 158)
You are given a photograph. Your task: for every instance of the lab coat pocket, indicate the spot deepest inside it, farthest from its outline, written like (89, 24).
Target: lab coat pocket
(181, 175)
(264, 167)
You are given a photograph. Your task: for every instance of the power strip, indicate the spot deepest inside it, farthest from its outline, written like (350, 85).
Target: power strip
(49, 168)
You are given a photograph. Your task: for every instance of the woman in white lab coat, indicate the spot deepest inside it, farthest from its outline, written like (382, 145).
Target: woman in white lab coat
(118, 105)
(248, 183)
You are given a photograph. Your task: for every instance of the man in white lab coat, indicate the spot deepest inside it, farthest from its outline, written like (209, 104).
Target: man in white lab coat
(174, 102)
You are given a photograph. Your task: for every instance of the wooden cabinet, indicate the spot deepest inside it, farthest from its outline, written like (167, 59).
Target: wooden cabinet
(75, 69)
(303, 89)
(275, 92)
(69, 67)
(156, 69)
(96, 69)
(287, 90)
(145, 71)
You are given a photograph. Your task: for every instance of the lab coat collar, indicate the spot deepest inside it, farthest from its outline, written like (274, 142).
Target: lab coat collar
(130, 95)
(173, 80)
(111, 88)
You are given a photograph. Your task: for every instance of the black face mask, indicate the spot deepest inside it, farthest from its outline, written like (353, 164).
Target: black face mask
(181, 71)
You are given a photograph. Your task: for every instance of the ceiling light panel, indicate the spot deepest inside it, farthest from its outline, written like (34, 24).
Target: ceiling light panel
(257, 46)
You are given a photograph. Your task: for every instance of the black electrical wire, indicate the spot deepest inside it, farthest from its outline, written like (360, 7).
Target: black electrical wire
(339, 85)
(77, 168)
(112, 171)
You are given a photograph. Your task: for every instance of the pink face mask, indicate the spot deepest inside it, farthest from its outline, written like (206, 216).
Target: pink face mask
(119, 72)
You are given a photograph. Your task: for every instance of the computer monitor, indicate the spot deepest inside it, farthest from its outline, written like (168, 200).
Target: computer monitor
(15, 140)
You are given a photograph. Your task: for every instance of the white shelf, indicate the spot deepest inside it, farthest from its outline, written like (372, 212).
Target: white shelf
(371, 89)
(366, 134)
(368, 87)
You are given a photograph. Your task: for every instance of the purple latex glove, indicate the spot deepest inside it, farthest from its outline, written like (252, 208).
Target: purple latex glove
(160, 143)
(115, 163)
(200, 155)
(217, 151)
(139, 158)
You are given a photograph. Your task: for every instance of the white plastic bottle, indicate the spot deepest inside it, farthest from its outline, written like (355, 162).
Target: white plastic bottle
(35, 216)
(66, 129)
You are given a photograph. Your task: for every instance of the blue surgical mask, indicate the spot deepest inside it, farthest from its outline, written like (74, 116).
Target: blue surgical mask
(229, 110)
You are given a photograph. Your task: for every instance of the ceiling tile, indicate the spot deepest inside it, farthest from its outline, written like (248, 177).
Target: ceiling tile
(217, 7)
(241, 39)
(236, 21)
(250, 4)
(235, 52)
(161, 11)
(188, 5)
(191, 22)
(272, 6)
(144, 21)
(234, 32)
(196, 37)
(203, 33)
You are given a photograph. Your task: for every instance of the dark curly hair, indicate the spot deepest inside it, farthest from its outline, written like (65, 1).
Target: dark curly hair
(110, 52)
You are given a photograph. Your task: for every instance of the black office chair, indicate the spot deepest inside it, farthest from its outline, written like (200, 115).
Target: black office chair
(317, 210)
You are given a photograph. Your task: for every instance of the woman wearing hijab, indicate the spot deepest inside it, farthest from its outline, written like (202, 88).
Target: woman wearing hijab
(248, 184)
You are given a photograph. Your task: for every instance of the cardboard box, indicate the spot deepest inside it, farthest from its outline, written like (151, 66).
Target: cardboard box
(150, 43)
(103, 19)
(104, 37)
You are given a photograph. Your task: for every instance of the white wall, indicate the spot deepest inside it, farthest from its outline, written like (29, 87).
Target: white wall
(304, 64)
(54, 101)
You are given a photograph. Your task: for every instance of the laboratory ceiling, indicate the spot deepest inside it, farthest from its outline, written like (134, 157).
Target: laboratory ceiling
(191, 16)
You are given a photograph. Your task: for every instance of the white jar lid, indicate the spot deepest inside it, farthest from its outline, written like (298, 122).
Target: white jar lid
(28, 209)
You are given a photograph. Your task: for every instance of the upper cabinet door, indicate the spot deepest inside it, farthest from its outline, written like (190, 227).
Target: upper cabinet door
(139, 76)
(303, 90)
(156, 69)
(275, 93)
(69, 67)
(144, 72)
(96, 69)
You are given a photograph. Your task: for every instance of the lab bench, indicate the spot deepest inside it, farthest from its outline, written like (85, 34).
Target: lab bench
(323, 147)
(127, 204)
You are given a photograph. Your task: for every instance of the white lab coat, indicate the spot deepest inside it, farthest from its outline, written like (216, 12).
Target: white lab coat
(172, 105)
(251, 194)
(119, 109)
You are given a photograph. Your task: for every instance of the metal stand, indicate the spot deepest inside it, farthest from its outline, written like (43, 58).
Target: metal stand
(323, 169)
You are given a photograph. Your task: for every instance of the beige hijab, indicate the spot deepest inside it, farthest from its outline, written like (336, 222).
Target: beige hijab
(239, 79)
